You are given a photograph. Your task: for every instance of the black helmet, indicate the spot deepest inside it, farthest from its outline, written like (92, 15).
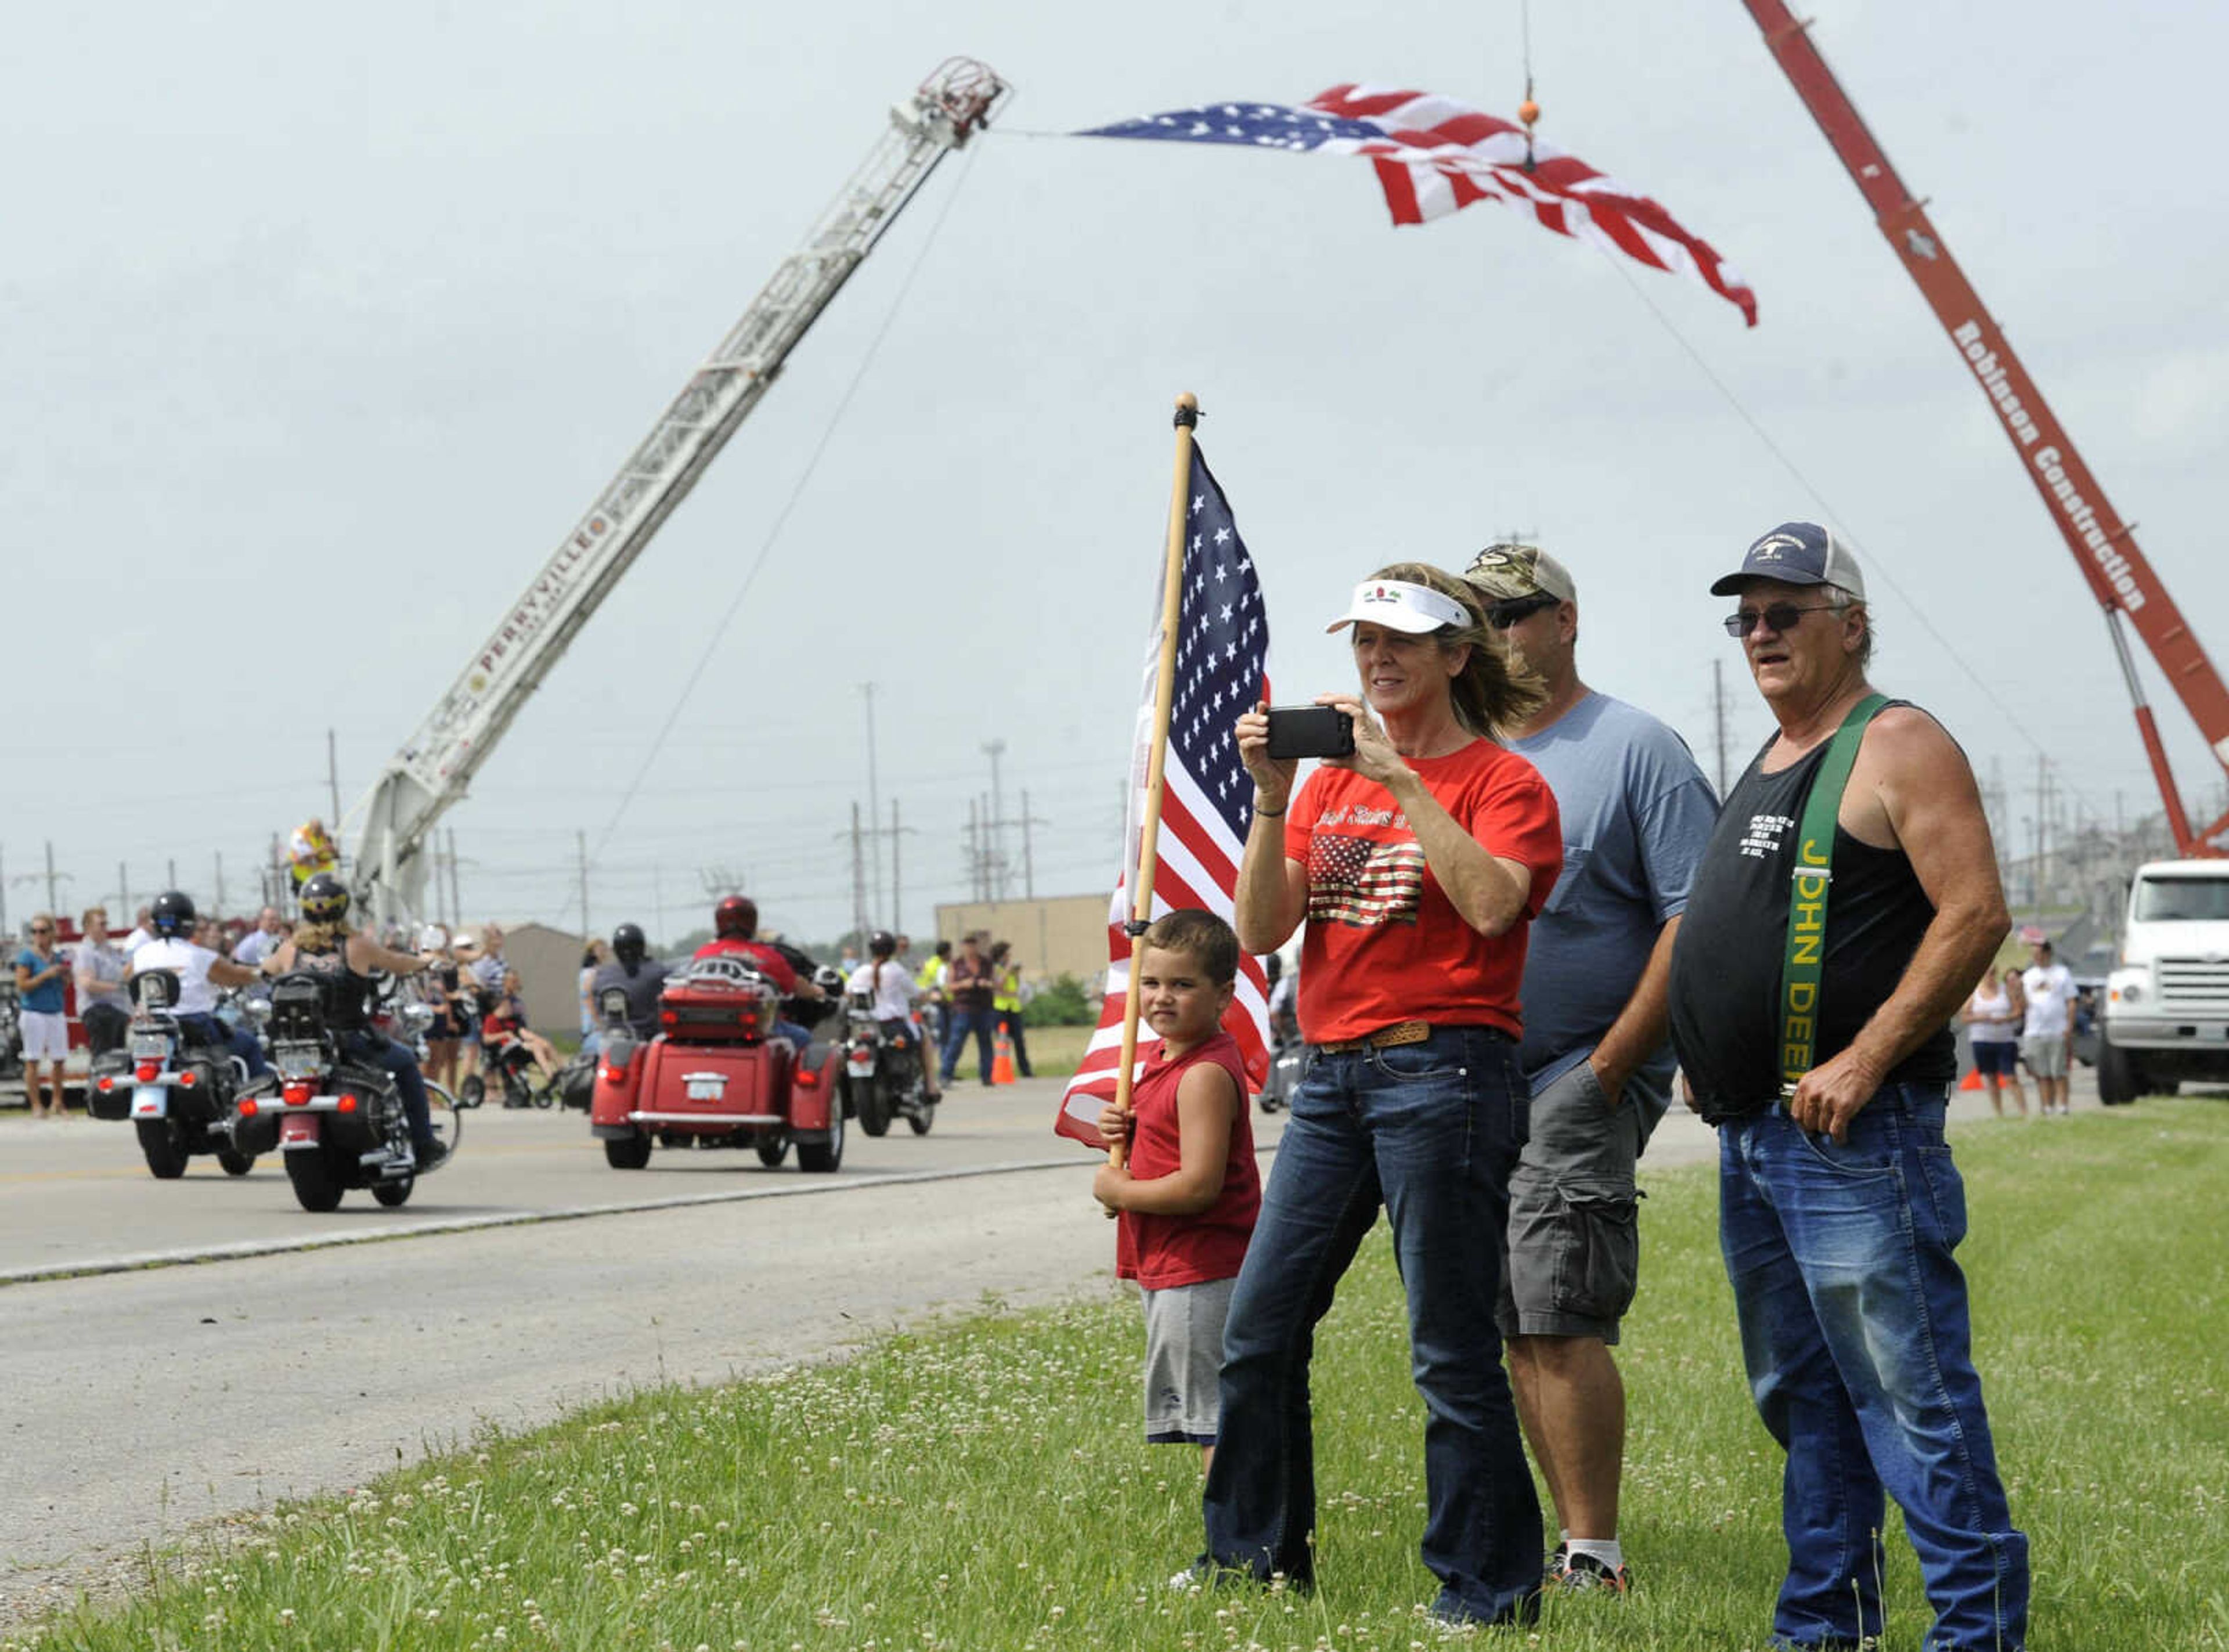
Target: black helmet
(628, 944)
(882, 944)
(736, 915)
(173, 914)
(325, 899)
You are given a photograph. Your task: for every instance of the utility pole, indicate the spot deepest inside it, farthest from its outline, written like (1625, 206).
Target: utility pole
(1719, 715)
(220, 880)
(53, 901)
(581, 848)
(123, 896)
(975, 855)
(657, 900)
(333, 783)
(897, 886)
(172, 866)
(874, 802)
(858, 880)
(1029, 877)
(3, 892)
(456, 900)
(995, 749)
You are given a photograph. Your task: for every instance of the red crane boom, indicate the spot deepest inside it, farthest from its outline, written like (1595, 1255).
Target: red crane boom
(2105, 547)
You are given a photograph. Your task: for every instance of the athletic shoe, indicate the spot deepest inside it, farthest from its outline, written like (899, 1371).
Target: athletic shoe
(1556, 1568)
(430, 1156)
(1582, 1572)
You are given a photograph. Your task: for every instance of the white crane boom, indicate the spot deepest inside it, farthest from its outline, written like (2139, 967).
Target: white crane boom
(433, 770)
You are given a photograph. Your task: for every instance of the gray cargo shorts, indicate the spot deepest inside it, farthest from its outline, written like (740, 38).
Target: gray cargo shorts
(1571, 1256)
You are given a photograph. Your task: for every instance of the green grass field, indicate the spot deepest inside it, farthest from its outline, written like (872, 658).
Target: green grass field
(982, 1485)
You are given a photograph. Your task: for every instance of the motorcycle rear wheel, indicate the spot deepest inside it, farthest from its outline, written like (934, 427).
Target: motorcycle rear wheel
(317, 1188)
(632, 1154)
(875, 1106)
(822, 1157)
(165, 1152)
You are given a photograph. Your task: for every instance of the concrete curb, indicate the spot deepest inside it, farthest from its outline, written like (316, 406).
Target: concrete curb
(791, 1189)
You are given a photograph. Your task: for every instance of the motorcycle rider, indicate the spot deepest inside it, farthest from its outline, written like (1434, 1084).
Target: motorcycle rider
(199, 970)
(893, 993)
(641, 977)
(321, 945)
(734, 935)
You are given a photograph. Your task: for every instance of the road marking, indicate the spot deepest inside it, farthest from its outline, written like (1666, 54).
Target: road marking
(248, 1248)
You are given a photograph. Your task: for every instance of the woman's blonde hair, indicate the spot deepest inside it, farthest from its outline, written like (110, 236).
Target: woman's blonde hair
(320, 937)
(1495, 690)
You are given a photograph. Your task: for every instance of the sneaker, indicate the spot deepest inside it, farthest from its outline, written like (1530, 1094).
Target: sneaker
(430, 1157)
(1556, 1568)
(1581, 1572)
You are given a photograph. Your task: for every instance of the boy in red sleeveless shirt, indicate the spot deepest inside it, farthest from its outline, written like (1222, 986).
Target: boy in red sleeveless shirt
(1188, 1196)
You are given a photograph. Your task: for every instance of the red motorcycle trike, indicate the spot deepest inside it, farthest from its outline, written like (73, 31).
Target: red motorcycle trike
(716, 1074)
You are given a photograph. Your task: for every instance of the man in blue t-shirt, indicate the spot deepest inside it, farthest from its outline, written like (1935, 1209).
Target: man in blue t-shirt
(42, 1014)
(1636, 813)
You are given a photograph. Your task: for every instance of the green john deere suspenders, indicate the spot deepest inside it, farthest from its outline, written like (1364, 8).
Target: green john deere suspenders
(1806, 896)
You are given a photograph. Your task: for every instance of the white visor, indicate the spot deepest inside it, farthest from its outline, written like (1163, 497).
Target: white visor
(1399, 606)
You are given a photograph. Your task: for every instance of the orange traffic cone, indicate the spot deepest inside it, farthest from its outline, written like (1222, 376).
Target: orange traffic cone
(1971, 1081)
(1002, 1059)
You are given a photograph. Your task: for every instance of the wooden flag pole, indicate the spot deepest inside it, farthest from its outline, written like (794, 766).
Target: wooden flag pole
(1164, 688)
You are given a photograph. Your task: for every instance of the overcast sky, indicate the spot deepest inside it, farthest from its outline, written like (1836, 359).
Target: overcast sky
(322, 333)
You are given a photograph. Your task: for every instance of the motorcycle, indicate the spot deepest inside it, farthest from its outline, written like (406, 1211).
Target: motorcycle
(883, 1069)
(339, 1122)
(177, 1091)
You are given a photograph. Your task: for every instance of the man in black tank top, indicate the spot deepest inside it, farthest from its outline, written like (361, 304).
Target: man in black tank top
(1839, 1205)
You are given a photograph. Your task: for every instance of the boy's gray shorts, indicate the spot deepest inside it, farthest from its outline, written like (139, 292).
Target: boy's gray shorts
(1184, 1361)
(2045, 1055)
(1572, 1256)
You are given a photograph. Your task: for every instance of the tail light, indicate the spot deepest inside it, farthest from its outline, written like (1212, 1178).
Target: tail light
(298, 1093)
(669, 1017)
(613, 1073)
(806, 1079)
(346, 1104)
(147, 1072)
(107, 1083)
(248, 1109)
(188, 1080)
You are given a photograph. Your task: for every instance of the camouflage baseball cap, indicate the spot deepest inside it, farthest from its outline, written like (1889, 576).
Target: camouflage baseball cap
(1509, 572)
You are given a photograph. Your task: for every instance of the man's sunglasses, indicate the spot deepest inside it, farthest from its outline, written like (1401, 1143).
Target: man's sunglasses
(1502, 615)
(1781, 616)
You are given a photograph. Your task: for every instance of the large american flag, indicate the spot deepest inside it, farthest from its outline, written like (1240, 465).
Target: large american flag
(1207, 803)
(1435, 156)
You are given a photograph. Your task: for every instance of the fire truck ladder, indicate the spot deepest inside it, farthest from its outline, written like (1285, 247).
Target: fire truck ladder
(435, 769)
(2123, 582)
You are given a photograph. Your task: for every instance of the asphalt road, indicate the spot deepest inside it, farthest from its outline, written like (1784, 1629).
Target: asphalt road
(143, 1400)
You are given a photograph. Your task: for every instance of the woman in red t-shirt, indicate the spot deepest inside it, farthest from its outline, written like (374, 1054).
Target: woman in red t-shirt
(1417, 863)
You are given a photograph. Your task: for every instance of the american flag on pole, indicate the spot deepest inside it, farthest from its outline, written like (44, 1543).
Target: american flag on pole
(1435, 156)
(1207, 800)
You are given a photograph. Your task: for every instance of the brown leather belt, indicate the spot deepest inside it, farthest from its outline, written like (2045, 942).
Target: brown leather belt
(1384, 1038)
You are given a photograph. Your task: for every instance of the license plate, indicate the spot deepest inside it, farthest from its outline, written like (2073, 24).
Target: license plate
(153, 1047)
(303, 1066)
(861, 1066)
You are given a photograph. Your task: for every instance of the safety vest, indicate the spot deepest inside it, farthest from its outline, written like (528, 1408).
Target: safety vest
(930, 975)
(1006, 996)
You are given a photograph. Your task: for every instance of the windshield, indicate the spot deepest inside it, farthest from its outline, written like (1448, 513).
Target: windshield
(2181, 900)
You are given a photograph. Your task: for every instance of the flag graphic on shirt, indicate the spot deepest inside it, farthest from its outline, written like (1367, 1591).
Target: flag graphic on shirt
(1207, 800)
(1435, 156)
(1362, 882)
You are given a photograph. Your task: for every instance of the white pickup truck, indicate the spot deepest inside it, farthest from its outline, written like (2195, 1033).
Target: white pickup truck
(2167, 1008)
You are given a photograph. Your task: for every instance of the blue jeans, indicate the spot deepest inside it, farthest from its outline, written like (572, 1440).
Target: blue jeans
(798, 1036)
(1855, 1332)
(207, 1029)
(1430, 1131)
(958, 1025)
(395, 1058)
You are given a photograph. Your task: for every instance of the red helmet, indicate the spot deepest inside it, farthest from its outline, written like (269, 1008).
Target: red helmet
(737, 915)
